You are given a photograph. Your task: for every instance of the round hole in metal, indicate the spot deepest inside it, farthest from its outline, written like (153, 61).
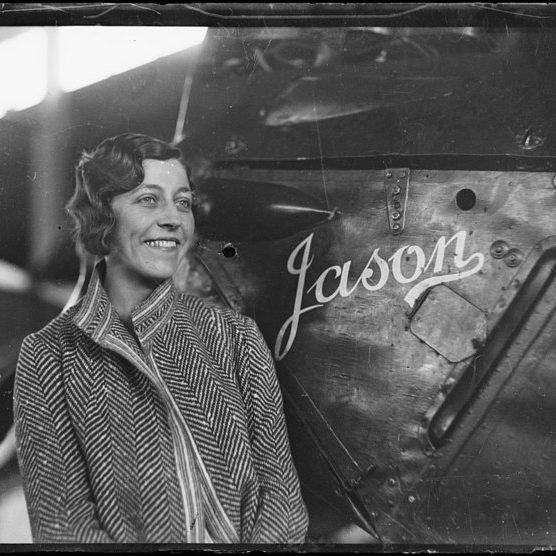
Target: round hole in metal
(465, 199)
(228, 251)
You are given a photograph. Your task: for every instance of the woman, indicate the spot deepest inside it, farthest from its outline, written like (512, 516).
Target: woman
(143, 415)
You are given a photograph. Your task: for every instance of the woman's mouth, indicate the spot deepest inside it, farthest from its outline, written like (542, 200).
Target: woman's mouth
(164, 244)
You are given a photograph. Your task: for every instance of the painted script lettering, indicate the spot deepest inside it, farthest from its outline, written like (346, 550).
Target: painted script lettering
(373, 277)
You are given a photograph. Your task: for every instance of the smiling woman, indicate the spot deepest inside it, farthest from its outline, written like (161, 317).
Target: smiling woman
(143, 415)
(154, 230)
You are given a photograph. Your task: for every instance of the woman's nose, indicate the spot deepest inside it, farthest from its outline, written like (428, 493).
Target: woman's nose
(169, 216)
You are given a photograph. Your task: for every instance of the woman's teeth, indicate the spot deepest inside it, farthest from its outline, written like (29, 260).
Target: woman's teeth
(163, 243)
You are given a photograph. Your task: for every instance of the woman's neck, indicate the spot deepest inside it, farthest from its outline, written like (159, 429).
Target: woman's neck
(124, 292)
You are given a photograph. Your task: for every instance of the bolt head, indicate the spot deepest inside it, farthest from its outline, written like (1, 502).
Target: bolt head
(499, 248)
(511, 261)
(396, 215)
(513, 258)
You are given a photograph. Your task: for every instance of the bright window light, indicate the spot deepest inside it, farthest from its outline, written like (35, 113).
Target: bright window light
(23, 78)
(91, 54)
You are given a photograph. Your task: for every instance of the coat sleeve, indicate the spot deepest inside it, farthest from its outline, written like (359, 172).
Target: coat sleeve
(53, 470)
(282, 513)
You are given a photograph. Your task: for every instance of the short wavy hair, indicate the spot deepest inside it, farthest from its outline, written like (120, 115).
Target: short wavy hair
(114, 167)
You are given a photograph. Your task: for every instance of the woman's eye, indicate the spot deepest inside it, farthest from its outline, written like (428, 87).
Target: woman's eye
(184, 204)
(147, 200)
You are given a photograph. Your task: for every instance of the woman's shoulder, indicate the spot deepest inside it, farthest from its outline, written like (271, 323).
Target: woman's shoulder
(223, 328)
(203, 307)
(201, 310)
(41, 355)
(54, 331)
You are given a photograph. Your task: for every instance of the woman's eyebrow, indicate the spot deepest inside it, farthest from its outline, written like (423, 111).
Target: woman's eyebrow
(185, 188)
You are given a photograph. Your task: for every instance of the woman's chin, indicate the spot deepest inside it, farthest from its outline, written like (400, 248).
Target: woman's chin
(162, 276)
(157, 274)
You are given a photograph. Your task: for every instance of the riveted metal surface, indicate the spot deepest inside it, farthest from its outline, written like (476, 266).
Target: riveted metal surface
(374, 384)
(337, 304)
(497, 461)
(396, 188)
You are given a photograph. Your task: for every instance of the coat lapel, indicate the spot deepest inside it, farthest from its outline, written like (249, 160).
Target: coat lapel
(213, 410)
(178, 368)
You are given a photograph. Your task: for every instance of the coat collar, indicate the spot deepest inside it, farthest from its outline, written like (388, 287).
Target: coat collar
(96, 316)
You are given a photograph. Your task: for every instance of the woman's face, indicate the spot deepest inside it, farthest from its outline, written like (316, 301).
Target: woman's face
(154, 224)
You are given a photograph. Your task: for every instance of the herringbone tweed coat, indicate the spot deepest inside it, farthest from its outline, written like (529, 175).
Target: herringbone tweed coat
(95, 440)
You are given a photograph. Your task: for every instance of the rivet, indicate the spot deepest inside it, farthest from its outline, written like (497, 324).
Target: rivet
(396, 215)
(411, 499)
(388, 174)
(392, 481)
(396, 227)
(397, 204)
(396, 190)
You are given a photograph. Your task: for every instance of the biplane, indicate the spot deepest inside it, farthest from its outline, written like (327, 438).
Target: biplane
(381, 201)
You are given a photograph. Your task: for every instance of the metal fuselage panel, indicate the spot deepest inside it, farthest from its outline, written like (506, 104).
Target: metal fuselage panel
(372, 329)
(399, 310)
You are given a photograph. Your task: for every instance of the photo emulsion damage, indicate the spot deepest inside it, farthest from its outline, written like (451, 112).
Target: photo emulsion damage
(278, 276)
